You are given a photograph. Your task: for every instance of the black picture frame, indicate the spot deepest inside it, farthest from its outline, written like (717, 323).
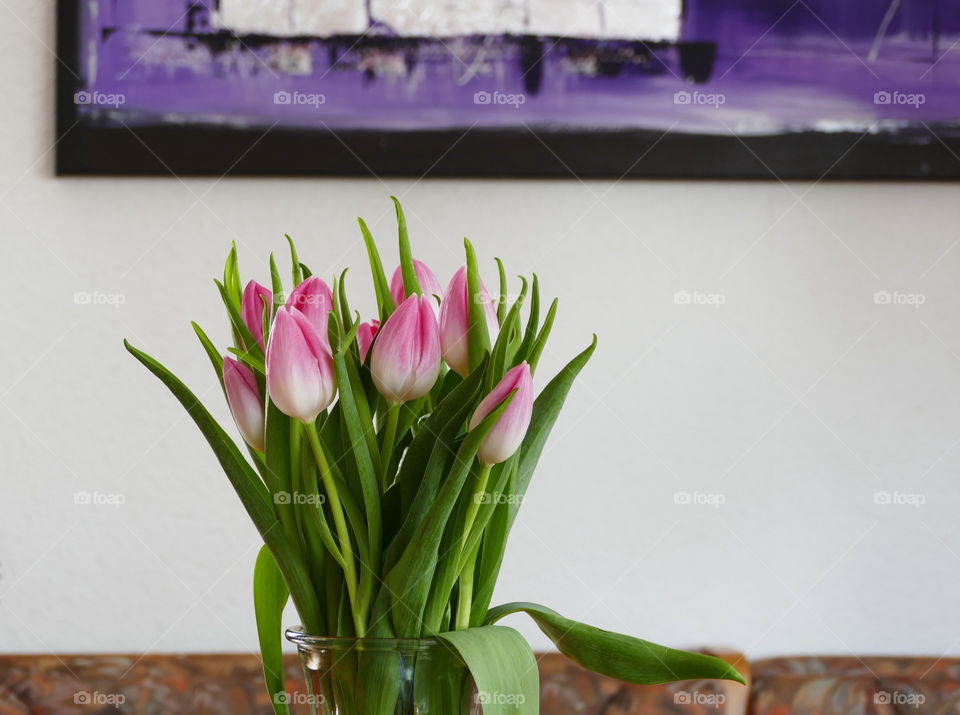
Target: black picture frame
(84, 149)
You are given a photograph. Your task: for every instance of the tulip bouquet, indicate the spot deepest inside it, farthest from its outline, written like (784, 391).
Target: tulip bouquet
(385, 463)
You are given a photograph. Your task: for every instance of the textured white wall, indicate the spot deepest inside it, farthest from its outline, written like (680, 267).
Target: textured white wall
(796, 399)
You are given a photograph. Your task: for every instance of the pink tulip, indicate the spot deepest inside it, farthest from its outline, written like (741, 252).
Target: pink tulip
(246, 403)
(405, 359)
(429, 285)
(365, 335)
(505, 436)
(314, 299)
(300, 377)
(255, 297)
(454, 320)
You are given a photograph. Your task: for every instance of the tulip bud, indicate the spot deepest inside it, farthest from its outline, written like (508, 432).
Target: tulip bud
(246, 403)
(256, 299)
(405, 359)
(505, 436)
(455, 320)
(314, 299)
(300, 377)
(365, 335)
(429, 285)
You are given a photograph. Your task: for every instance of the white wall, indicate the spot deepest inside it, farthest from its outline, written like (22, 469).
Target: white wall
(796, 400)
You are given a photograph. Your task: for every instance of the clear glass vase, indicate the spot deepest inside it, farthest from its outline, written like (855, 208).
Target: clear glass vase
(384, 676)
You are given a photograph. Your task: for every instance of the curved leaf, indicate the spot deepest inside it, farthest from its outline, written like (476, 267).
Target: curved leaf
(625, 658)
(503, 668)
(270, 595)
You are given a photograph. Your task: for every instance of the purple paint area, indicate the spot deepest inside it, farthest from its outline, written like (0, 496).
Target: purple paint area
(761, 67)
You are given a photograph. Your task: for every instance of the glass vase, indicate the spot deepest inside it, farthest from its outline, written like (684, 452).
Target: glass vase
(384, 676)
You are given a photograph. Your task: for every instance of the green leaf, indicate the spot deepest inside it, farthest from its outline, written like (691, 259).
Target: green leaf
(297, 268)
(270, 595)
(625, 658)
(410, 282)
(276, 284)
(215, 358)
(502, 299)
(478, 340)
(540, 343)
(251, 491)
(380, 284)
(352, 402)
(533, 321)
(503, 667)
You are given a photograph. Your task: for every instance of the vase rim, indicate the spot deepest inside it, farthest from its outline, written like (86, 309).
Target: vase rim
(298, 636)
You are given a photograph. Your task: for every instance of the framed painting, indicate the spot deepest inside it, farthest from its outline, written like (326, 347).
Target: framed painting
(848, 89)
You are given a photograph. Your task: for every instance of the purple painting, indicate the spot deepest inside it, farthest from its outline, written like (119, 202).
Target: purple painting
(785, 77)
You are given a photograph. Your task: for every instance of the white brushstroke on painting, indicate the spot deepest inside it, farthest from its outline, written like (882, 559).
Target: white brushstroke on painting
(644, 19)
(448, 18)
(329, 17)
(268, 17)
(317, 18)
(622, 19)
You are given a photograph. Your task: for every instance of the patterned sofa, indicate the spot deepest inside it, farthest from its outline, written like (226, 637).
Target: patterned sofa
(230, 684)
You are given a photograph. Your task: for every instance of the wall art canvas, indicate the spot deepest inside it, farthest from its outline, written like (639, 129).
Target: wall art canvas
(649, 88)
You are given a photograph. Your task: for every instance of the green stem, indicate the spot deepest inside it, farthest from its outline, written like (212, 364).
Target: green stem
(474, 506)
(465, 599)
(296, 478)
(389, 437)
(346, 548)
